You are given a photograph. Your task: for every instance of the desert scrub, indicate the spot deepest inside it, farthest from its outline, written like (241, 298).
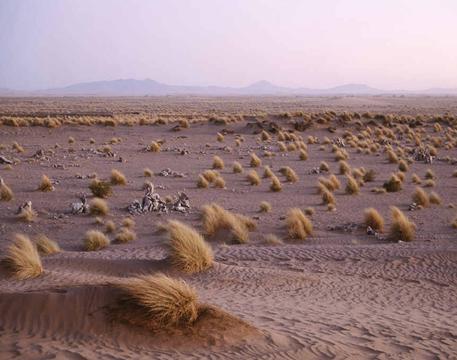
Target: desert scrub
(237, 167)
(218, 163)
(6, 194)
(98, 207)
(265, 207)
(253, 178)
(298, 225)
(118, 178)
(255, 160)
(402, 229)
(374, 219)
(101, 189)
(46, 184)
(95, 240)
(46, 246)
(22, 258)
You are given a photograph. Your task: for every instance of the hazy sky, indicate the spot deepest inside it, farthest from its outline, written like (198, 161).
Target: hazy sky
(388, 44)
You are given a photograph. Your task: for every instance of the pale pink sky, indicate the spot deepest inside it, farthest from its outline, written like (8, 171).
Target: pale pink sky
(389, 44)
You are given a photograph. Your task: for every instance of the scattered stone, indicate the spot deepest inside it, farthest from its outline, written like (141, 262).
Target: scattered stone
(413, 207)
(4, 160)
(339, 142)
(169, 172)
(80, 207)
(152, 202)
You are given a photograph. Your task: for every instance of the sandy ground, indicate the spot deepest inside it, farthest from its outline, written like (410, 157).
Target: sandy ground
(339, 294)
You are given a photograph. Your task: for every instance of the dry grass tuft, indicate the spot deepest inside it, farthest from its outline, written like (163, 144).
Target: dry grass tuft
(374, 219)
(298, 225)
(118, 178)
(219, 182)
(46, 246)
(17, 147)
(202, 183)
(415, 179)
(276, 185)
(254, 178)
(352, 186)
(403, 166)
(95, 240)
(429, 174)
(255, 160)
(125, 235)
(6, 194)
(189, 251)
(267, 172)
(435, 198)
(220, 137)
(402, 229)
(22, 258)
(98, 206)
(369, 176)
(429, 183)
(110, 227)
(46, 184)
(420, 197)
(272, 239)
(289, 173)
(344, 168)
(392, 157)
(101, 189)
(237, 167)
(168, 302)
(148, 172)
(303, 155)
(324, 167)
(394, 184)
(128, 222)
(216, 218)
(309, 211)
(154, 146)
(210, 175)
(218, 163)
(27, 214)
(327, 196)
(265, 207)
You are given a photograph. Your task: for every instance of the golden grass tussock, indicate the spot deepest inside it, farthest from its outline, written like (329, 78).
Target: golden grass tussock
(253, 178)
(324, 167)
(218, 163)
(95, 240)
(202, 183)
(110, 227)
(264, 136)
(335, 182)
(352, 186)
(276, 185)
(374, 219)
(265, 207)
(272, 239)
(403, 166)
(46, 246)
(309, 211)
(415, 179)
(17, 147)
(154, 146)
(23, 259)
(394, 184)
(303, 155)
(220, 137)
(148, 172)
(429, 174)
(128, 223)
(267, 172)
(210, 175)
(434, 198)
(98, 207)
(401, 229)
(429, 183)
(237, 167)
(46, 184)
(101, 189)
(215, 218)
(289, 173)
(392, 157)
(344, 168)
(327, 197)
(189, 251)
(298, 225)
(166, 301)
(369, 176)
(125, 235)
(255, 160)
(6, 194)
(219, 182)
(118, 178)
(27, 214)
(420, 197)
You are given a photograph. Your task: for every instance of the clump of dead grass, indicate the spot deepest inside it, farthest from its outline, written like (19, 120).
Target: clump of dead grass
(255, 160)
(218, 163)
(434, 198)
(289, 173)
(125, 235)
(253, 178)
(23, 259)
(265, 207)
(352, 186)
(237, 167)
(402, 229)
(374, 219)
(298, 225)
(101, 189)
(95, 240)
(46, 184)
(420, 197)
(118, 178)
(189, 251)
(98, 207)
(276, 185)
(6, 194)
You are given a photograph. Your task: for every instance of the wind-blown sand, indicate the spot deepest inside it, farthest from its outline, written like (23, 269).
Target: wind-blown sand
(338, 294)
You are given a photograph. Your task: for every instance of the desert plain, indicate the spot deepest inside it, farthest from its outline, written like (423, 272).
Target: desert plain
(294, 266)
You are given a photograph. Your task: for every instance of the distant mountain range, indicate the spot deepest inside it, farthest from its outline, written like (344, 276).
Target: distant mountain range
(132, 87)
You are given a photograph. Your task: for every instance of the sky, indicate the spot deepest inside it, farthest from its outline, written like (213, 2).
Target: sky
(387, 44)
